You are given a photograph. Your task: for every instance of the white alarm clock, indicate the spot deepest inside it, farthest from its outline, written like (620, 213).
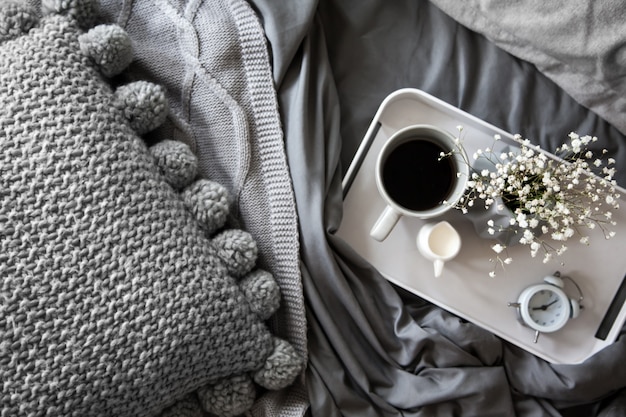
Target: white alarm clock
(545, 307)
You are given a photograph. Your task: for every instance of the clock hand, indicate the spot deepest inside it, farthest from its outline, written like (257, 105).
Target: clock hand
(545, 306)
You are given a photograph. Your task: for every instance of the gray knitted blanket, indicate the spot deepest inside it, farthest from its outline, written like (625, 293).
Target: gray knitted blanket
(212, 58)
(123, 291)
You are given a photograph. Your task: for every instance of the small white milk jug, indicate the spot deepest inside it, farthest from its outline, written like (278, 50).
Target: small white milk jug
(439, 243)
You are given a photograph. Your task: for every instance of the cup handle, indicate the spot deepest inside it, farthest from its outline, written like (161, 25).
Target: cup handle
(386, 221)
(438, 265)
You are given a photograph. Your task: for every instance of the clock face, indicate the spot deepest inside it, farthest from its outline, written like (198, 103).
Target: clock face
(544, 307)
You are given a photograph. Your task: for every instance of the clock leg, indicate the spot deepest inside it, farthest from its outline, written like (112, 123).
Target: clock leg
(536, 336)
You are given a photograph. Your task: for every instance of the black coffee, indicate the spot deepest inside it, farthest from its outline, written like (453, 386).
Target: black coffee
(415, 176)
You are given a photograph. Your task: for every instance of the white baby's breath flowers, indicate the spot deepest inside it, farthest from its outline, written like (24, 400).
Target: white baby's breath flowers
(552, 200)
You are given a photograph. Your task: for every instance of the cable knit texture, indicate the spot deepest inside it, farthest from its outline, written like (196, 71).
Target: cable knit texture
(212, 57)
(114, 299)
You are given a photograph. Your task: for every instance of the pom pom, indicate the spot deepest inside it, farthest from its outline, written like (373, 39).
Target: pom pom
(208, 201)
(110, 48)
(237, 249)
(177, 163)
(15, 19)
(83, 11)
(281, 367)
(262, 292)
(143, 105)
(229, 398)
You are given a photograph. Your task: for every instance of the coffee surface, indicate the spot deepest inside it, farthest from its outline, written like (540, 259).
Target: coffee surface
(415, 177)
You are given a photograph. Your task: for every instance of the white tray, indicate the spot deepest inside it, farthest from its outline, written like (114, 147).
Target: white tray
(465, 288)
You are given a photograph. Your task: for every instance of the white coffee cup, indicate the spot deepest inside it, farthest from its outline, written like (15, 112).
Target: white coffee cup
(413, 178)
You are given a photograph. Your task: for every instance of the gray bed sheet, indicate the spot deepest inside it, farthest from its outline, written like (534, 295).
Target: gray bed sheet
(374, 349)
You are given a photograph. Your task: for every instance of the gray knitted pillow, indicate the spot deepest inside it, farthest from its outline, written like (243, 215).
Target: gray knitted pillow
(120, 290)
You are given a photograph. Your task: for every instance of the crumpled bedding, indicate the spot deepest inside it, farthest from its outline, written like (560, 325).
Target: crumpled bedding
(580, 45)
(375, 349)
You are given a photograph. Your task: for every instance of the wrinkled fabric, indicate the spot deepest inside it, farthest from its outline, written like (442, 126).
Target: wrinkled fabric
(377, 350)
(579, 44)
